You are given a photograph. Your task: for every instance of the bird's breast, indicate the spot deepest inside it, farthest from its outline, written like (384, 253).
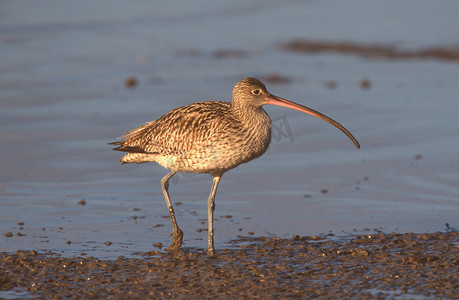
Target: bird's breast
(227, 142)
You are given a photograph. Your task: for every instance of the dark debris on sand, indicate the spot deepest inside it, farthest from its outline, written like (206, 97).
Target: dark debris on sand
(370, 50)
(378, 266)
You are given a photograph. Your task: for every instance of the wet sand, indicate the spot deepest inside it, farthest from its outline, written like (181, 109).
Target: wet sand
(377, 266)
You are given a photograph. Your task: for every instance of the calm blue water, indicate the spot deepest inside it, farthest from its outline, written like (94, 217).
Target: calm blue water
(62, 98)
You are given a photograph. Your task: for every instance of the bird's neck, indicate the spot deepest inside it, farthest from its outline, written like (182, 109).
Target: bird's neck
(250, 115)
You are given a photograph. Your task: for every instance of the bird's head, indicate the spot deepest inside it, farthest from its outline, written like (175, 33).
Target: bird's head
(251, 92)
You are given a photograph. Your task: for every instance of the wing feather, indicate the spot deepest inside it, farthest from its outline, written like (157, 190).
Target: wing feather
(178, 131)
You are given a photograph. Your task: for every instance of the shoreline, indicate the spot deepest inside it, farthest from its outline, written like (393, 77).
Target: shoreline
(373, 266)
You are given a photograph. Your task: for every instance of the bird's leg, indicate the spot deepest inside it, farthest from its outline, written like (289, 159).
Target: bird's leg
(177, 233)
(210, 210)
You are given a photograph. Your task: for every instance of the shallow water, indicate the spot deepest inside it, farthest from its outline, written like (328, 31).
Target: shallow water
(62, 98)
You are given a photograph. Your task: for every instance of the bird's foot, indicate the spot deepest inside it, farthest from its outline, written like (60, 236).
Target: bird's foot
(211, 252)
(176, 240)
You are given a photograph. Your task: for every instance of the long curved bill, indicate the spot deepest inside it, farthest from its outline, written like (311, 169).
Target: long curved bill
(274, 100)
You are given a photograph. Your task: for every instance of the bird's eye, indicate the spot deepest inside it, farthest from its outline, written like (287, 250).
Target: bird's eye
(256, 92)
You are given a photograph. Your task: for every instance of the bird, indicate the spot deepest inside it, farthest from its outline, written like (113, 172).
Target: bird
(210, 137)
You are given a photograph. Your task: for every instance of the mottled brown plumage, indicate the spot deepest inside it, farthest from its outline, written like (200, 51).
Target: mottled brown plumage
(203, 137)
(209, 137)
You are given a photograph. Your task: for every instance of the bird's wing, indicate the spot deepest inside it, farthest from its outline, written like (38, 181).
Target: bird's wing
(177, 131)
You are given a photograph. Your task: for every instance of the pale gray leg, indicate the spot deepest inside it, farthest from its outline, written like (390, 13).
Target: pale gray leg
(177, 233)
(210, 210)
